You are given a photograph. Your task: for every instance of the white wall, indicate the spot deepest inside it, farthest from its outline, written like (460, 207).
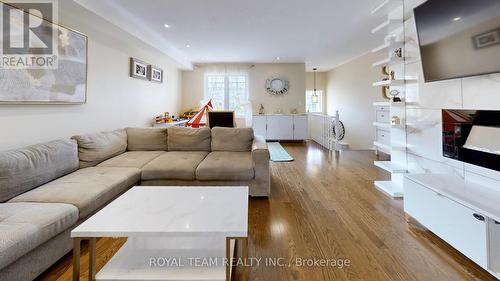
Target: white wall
(350, 91)
(193, 86)
(114, 99)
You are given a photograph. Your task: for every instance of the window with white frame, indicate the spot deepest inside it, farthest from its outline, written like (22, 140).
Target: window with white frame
(227, 91)
(314, 103)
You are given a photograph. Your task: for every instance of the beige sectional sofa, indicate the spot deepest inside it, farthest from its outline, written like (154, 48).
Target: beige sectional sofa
(48, 189)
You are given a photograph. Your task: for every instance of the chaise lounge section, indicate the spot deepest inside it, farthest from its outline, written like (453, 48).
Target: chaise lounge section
(50, 188)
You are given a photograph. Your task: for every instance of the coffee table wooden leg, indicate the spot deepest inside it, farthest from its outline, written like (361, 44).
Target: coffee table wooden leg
(244, 253)
(228, 258)
(92, 258)
(76, 258)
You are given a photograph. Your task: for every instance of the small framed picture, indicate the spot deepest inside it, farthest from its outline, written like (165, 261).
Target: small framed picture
(487, 39)
(155, 74)
(138, 69)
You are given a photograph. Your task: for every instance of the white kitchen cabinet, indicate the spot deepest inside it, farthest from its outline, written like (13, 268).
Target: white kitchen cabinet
(300, 130)
(259, 124)
(279, 127)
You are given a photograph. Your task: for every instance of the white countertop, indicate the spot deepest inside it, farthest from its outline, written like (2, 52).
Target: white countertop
(483, 199)
(171, 211)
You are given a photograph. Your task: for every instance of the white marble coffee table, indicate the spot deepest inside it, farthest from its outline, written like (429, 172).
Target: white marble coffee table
(171, 231)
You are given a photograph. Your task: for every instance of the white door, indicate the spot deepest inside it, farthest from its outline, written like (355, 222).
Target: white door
(259, 125)
(280, 127)
(300, 130)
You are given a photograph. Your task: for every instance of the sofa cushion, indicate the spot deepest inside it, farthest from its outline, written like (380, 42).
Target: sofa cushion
(24, 169)
(131, 159)
(224, 165)
(88, 189)
(232, 139)
(146, 139)
(25, 226)
(95, 148)
(188, 139)
(175, 165)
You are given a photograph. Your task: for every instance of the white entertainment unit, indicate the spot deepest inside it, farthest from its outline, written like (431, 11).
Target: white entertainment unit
(281, 126)
(464, 214)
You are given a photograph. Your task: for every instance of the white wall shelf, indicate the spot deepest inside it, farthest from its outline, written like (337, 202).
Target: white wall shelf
(398, 126)
(385, 147)
(389, 26)
(398, 104)
(387, 6)
(388, 61)
(390, 166)
(382, 125)
(391, 139)
(393, 82)
(382, 103)
(389, 83)
(390, 188)
(387, 46)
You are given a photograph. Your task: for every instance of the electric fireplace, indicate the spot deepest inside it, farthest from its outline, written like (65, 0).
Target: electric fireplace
(472, 136)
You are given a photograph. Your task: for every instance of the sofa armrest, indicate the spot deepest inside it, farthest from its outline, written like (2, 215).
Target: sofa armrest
(260, 156)
(259, 143)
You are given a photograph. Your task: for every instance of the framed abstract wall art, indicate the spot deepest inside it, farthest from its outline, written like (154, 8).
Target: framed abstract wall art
(47, 64)
(155, 74)
(138, 69)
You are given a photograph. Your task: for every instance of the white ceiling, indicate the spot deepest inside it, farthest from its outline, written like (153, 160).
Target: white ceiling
(321, 33)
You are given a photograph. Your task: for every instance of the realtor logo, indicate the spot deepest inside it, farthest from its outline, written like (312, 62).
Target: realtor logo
(28, 35)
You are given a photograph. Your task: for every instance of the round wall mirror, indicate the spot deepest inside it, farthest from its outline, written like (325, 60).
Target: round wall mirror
(277, 85)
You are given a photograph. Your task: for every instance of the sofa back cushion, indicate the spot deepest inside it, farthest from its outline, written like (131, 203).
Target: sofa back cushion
(232, 139)
(146, 139)
(188, 139)
(95, 148)
(24, 169)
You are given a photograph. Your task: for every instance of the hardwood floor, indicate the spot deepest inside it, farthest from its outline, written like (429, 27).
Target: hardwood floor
(326, 207)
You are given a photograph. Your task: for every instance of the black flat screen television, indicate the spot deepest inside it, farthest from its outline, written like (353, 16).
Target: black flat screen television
(458, 38)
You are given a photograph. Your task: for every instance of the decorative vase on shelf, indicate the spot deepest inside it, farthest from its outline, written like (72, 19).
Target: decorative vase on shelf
(397, 53)
(385, 92)
(395, 120)
(393, 75)
(394, 95)
(385, 89)
(262, 110)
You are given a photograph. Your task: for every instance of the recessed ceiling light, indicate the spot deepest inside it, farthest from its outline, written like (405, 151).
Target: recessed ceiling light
(188, 46)
(457, 19)
(166, 25)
